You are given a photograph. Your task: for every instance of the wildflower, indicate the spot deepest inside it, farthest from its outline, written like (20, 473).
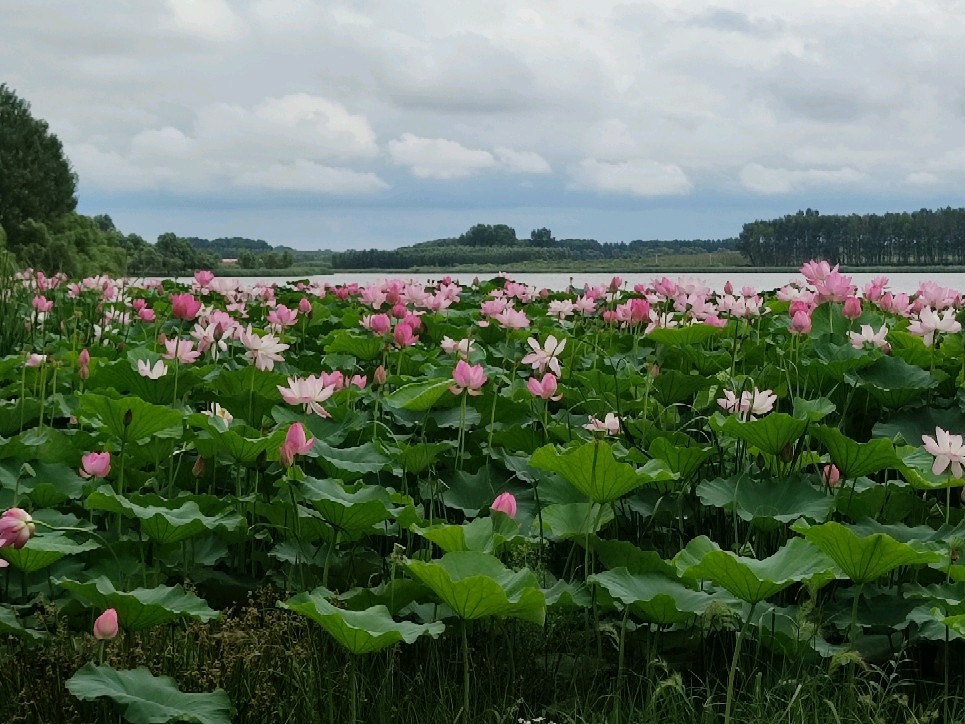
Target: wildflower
(105, 627)
(468, 378)
(506, 503)
(295, 444)
(609, 425)
(95, 465)
(545, 388)
(264, 351)
(16, 528)
(545, 357)
(947, 449)
(184, 306)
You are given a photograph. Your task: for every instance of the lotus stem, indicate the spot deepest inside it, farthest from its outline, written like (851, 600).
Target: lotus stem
(732, 674)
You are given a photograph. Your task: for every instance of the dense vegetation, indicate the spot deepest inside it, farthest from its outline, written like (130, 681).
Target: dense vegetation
(493, 503)
(498, 245)
(925, 238)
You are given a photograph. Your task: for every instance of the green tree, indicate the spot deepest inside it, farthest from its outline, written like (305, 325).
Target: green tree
(36, 180)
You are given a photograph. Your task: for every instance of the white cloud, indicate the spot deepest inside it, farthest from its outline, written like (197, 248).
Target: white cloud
(637, 177)
(921, 178)
(521, 161)
(210, 19)
(306, 176)
(769, 180)
(438, 158)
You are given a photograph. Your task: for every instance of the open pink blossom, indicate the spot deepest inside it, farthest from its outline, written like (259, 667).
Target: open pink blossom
(263, 351)
(544, 388)
(609, 425)
(184, 306)
(404, 335)
(309, 391)
(203, 277)
(929, 322)
(462, 347)
(506, 503)
(181, 350)
(106, 626)
(16, 528)
(868, 335)
(545, 356)
(155, 372)
(750, 404)
(468, 378)
(281, 317)
(296, 443)
(948, 450)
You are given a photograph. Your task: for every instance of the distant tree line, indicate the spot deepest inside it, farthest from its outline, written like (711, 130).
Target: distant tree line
(498, 244)
(922, 237)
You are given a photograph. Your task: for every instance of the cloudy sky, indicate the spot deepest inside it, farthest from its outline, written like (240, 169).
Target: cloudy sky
(377, 123)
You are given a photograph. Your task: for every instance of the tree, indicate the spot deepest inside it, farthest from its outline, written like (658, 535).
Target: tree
(36, 180)
(541, 237)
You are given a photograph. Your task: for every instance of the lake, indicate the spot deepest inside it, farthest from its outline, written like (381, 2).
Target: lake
(902, 282)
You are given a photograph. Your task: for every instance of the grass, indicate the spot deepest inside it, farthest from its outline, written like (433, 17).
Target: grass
(278, 667)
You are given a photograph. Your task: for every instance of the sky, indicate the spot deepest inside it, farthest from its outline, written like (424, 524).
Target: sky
(380, 123)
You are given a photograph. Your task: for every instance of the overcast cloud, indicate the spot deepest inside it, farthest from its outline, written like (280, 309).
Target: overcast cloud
(375, 123)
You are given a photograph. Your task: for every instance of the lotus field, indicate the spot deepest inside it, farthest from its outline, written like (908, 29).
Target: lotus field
(482, 502)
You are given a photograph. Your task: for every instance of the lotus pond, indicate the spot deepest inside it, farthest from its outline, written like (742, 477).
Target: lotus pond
(480, 502)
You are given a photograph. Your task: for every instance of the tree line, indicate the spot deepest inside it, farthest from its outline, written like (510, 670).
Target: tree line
(925, 237)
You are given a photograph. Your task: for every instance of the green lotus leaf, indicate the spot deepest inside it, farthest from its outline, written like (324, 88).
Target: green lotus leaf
(488, 534)
(623, 554)
(568, 595)
(813, 410)
(44, 550)
(122, 376)
(418, 396)
(365, 347)
(855, 459)
(653, 597)
(777, 501)
(931, 626)
(893, 382)
(361, 632)
(911, 348)
(862, 558)
(49, 485)
(241, 443)
(691, 334)
(476, 585)
(837, 360)
(674, 386)
(353, 510)
(684, 460)
(395, 594)
(592, 469)
(247, 393)
(781, 629)
(916, 466)
(865, 498)
(10, 624)
(575, 520)
(417, 458)
(162, 520)
(148, 699)
(908, 427)
(771, 434)
(141, 608)
(310, 525)
(350, 462)
(145, 419)
(749, 579)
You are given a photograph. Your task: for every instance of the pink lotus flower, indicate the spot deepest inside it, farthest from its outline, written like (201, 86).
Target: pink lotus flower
(95, 465)
(545, 388)
(831, 475)
(264, 351)
(146, 315)
(106, 627)
(561, 309)
(16, 528)
(377, 323)
(750, 404)
(506, 503)
(404, 335)
(948, 451)
(868, 335)
(181, 350)
(281, 316)
(359, 381)
(462, 348)
(380, 375)
(295, 444)
(468, 378)
(817, 271)
(35, 360)
(144, 369)
(852, 308)
(42, 304)
(203, 277)
(184, 306)
(305, 306)
(609, 425)
(310, 391)
(801, 323)
(545, 357)
(83, 363)
(929, 322)
(511, 318)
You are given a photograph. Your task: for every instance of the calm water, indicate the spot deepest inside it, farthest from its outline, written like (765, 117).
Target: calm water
(904, 282)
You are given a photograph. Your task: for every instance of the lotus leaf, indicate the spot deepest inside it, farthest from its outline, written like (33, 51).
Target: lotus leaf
(653, 597)
(44, 550)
